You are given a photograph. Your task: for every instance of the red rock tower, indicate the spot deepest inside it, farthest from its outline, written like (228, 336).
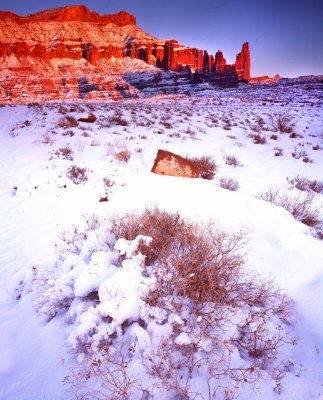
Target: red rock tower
(242, 63)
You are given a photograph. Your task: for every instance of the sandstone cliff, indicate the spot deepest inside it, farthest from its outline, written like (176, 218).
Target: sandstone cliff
(72, 53)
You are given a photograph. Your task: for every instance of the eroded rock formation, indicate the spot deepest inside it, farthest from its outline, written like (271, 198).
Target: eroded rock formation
(74, 53)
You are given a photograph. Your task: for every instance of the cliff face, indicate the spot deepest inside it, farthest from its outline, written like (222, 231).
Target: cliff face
(71, 52)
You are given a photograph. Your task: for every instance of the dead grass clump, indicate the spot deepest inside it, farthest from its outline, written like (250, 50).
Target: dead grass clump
(77, 174)
(206, 165)
(229, 184)
(67, 122)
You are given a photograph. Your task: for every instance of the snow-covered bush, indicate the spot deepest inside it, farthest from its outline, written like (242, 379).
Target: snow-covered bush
(154, 303)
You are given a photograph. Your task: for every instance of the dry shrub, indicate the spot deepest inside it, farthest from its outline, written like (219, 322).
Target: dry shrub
(199, 289)
(279, 152)
(119, 150)
(118, 120)
(295, 135)
(95, 142)
(69, 132)
(232, 160)
(308, 160)
(108, 182)
(258, 139)
(305, 184)
(26, 123)
(107, 366)
(62, 109)
(65, 153)
(206, 165)
(46, 139)
(123, 155)
(229, 184)
(205, 263)
(160, 225)
(283, 124)
(77, 174)
(198, 272)
(67, 122)
(299, 154)
(301, 207)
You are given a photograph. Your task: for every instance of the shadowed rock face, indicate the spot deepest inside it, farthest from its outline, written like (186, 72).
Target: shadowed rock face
(171, 164)
(49, 55)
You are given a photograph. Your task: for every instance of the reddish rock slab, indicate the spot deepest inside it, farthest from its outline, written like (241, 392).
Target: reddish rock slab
(171, 164)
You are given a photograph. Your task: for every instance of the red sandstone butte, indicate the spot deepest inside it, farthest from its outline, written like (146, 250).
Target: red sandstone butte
(170, 164)
(74, 53)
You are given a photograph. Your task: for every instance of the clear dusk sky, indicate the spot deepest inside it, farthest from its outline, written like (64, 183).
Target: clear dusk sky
(285, 36)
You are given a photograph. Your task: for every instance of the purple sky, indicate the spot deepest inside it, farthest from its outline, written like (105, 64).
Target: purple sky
(285, 36)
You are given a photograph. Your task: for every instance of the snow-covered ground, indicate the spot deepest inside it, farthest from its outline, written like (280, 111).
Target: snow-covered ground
(41, 207)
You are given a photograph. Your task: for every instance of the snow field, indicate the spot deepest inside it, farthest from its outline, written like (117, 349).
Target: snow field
(41, 204)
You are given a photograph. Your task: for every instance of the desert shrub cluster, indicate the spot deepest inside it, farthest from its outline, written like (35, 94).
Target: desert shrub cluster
(155, 302)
